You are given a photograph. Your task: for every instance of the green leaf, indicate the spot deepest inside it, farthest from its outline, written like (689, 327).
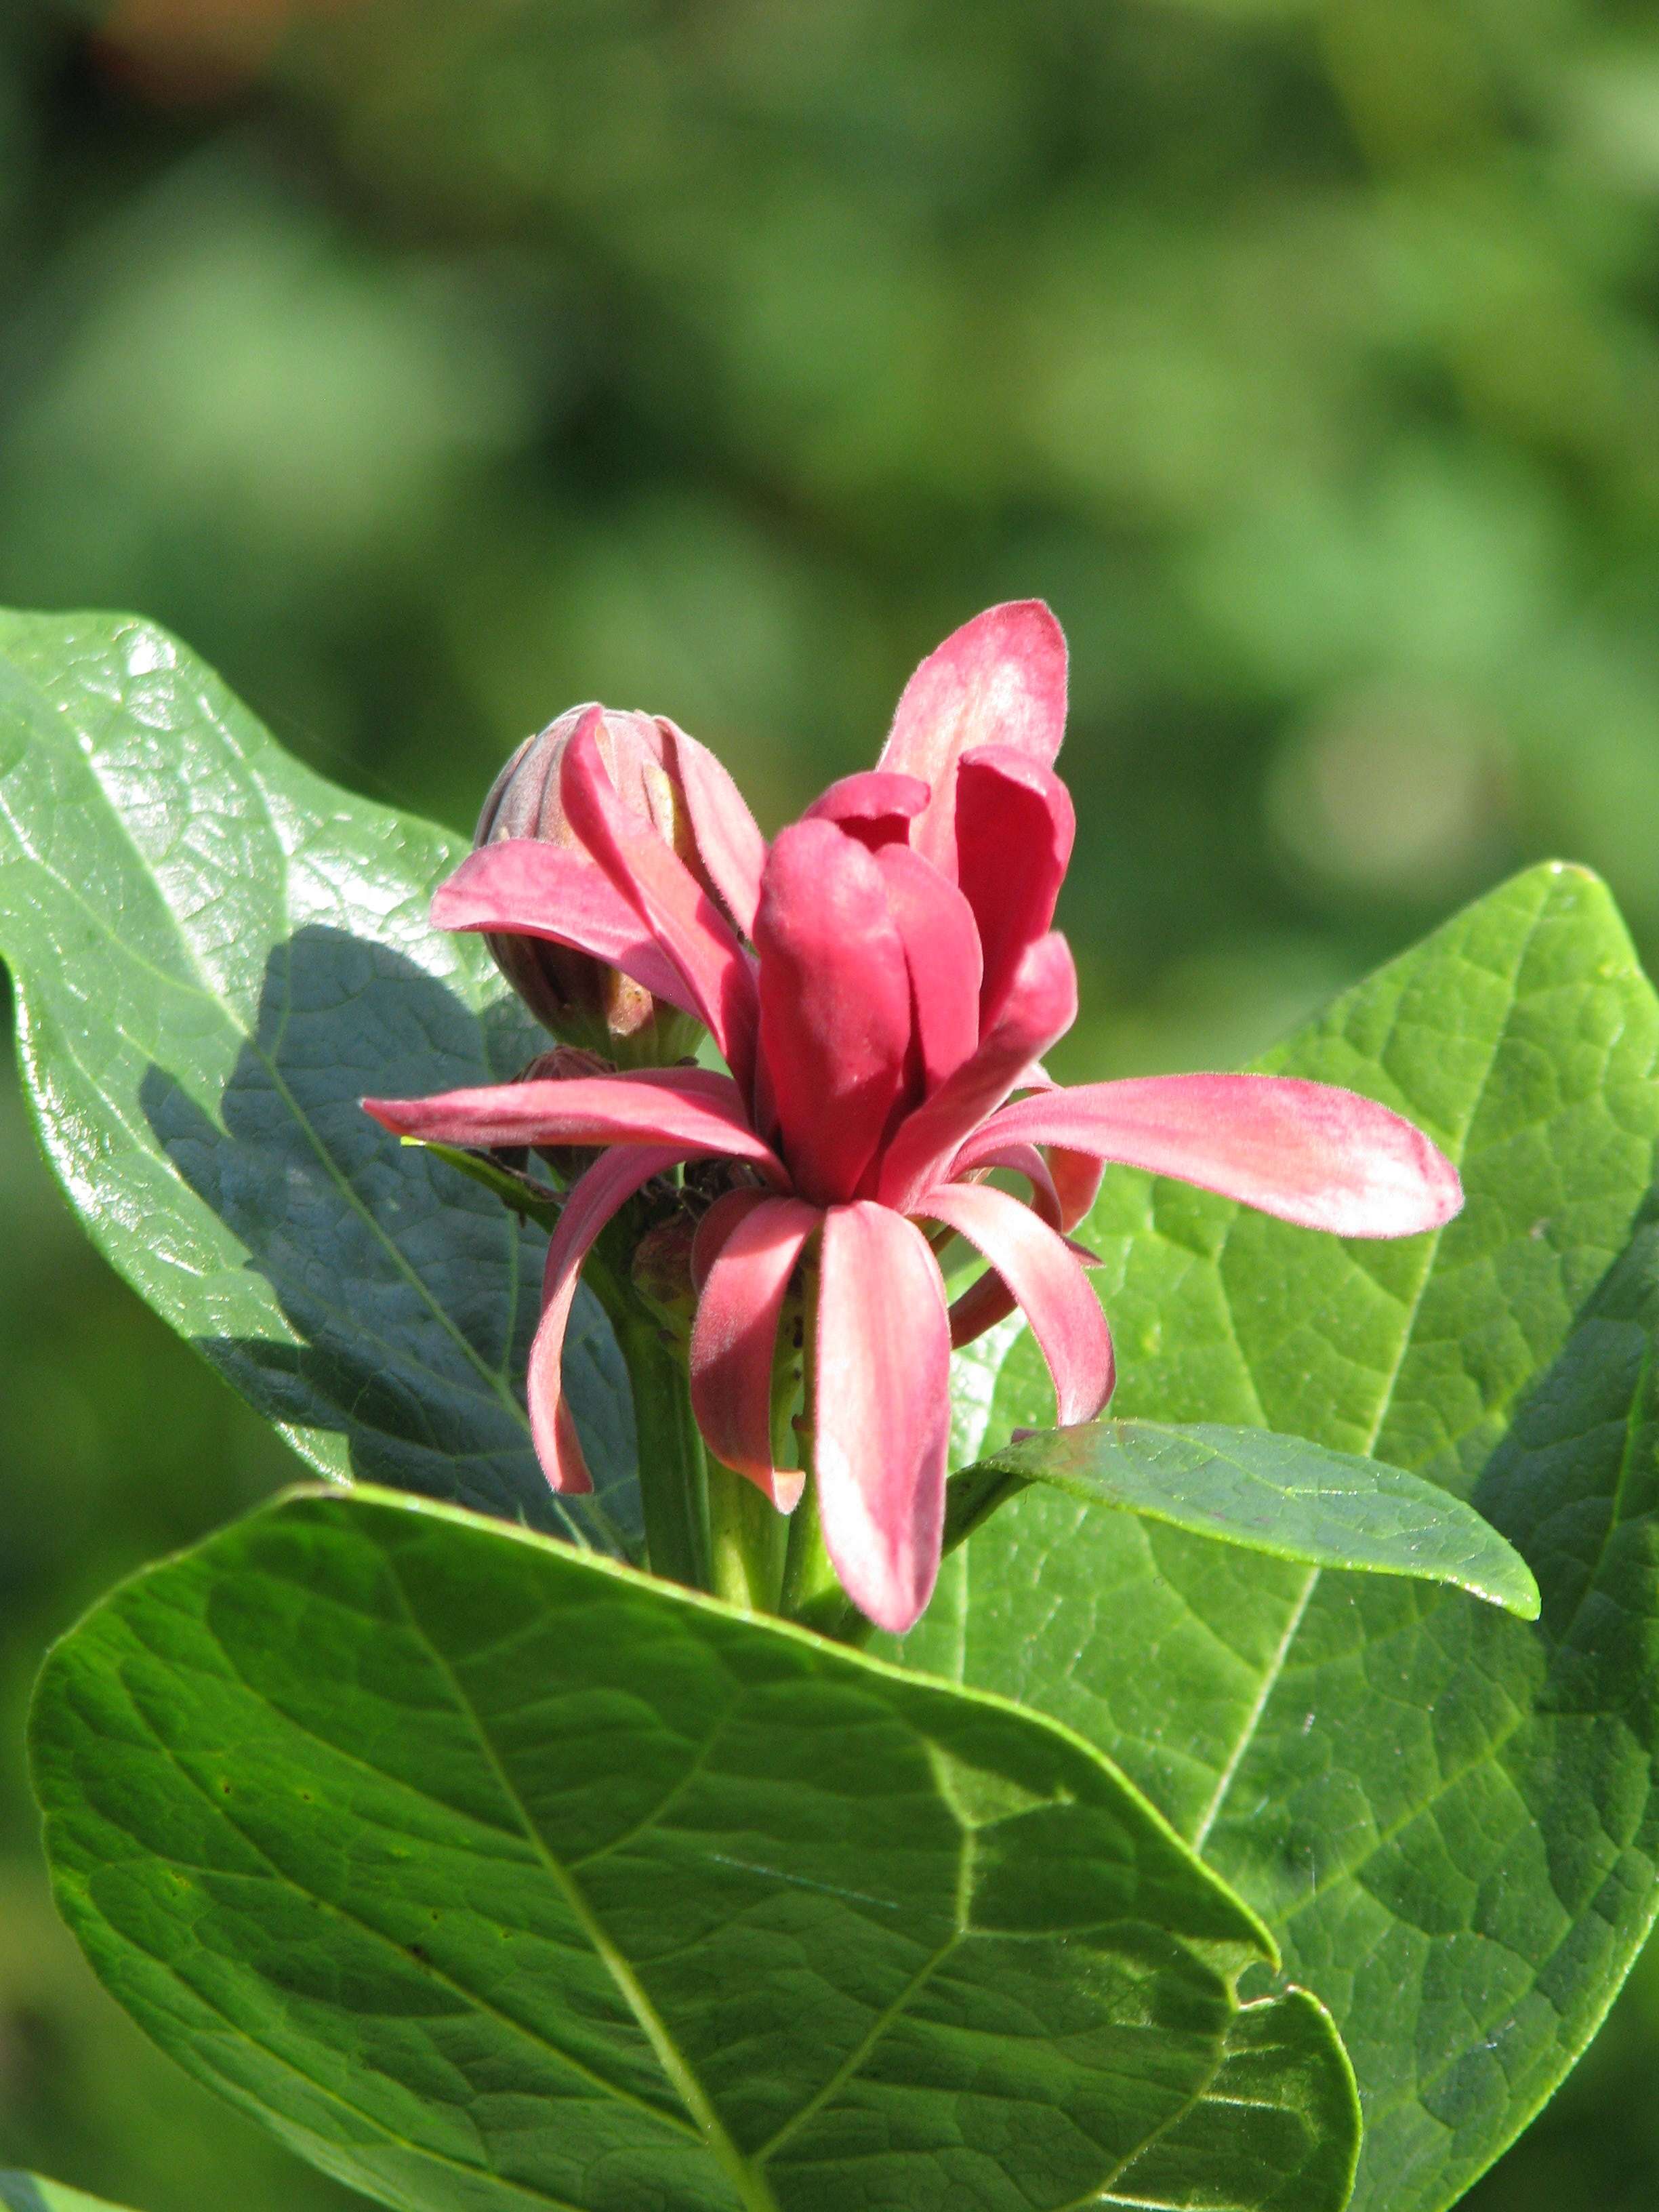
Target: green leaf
(491, 1875)
(216, 954)
(27, 2192)
(1449, 1817)
(1281, 1495)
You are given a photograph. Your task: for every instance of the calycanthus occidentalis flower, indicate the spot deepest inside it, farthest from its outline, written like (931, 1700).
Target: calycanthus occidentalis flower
(882, 981)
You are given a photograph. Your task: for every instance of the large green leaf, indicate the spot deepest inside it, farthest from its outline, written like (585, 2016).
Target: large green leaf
(27, 2192)
(215, 955)
(1447, 1816)
(491, 1875)
(1281, 1495)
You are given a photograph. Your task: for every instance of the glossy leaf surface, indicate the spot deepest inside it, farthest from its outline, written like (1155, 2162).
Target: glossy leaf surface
(1280, 1495)
(1449, 1816)
(215, 955)
(491, 1875)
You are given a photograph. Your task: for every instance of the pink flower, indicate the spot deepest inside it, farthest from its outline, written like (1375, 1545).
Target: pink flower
(881, 983)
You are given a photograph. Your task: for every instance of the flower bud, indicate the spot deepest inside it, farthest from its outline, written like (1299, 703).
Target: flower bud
(661, 1267)
(574, 995)
(565, 1063)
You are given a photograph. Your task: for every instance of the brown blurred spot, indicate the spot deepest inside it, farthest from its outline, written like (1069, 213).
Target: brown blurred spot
(182, 53)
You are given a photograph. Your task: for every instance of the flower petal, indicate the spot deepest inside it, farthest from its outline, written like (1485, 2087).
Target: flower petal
(1015, 827)
(734, 1336)
(835, 1020)
(941, 957)
(594, 1198)
(999, 680)
(1078, 1178)
(666, 895)
(726, 836)
(1047, 1282)
(1308, 1152)
(691, 1107)
(716, 1225)
(882, 1410)
(877, 807)
(1041, 1006)
(527, 888)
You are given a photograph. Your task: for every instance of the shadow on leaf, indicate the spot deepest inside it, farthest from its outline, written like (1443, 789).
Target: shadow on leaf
(409, 1293)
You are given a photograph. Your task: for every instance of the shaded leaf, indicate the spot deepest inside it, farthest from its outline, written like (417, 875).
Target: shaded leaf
(491, 1875)
(215, 955)
(1280, 1495)
(1449, 1817)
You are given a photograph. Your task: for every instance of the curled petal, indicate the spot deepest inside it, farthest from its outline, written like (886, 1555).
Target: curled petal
(734, 1337)
(877, 807)
(1077, 1178)
(882, 1410)
(692, 1107)
(835, 1005)
(999, 680)
(1015, 828)
(608, 1184)
(716, 1225)
(1047, 1281)
(1309, 1152)
(726, 836)
(1026, 1160)
(1041, 1006)
(526, 889)
(667, 897)
(942, 958)
(989, 1300)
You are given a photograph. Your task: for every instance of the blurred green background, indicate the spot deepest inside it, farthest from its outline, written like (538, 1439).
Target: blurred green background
(430, 364)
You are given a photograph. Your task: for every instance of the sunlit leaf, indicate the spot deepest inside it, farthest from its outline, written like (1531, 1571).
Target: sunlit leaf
(1448, 1815)
(489, 1875)
(1280, 1495)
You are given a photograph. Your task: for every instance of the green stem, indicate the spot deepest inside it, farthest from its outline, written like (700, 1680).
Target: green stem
(746, 1535)
(673, 1488)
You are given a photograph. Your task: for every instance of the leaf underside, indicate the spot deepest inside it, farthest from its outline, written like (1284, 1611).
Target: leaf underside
(1447, 1816)
(216, 954)
(1277, 1494)
(493, 1875)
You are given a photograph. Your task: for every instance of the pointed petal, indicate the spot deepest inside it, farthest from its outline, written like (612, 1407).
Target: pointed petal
(735, 1334)
(877, 807)
(526, 888)
(941, 957)
(726, 836)
(1047, 1282)
(608, 1184)
(882, 1413)
(1041, 1006)
(667, 898)
(690, 1107)
(1015, 827)
(1309, 1152)
(835, 1005)
(999, 680)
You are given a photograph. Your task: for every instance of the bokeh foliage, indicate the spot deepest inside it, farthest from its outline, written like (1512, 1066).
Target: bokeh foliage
(431, 366)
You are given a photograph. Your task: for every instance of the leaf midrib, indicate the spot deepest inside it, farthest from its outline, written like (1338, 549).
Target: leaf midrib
(754, 2191)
